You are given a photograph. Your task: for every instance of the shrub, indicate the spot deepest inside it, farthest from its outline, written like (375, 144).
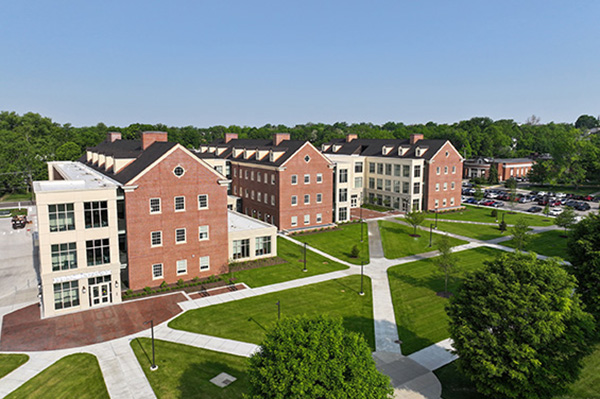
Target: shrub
(495, 213)
(163, 284)
(129, 292)
(147, 290)
(502, 226)
(180, 282)
(355, 251)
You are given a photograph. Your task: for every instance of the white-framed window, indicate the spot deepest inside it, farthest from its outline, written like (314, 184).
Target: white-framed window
(437, 186)
(266, 197)
(204, 263)
(437, 203)
(445, 170)
(294, 221)
(306, 219)
(343, 214)
(246, 174)
(452, 201)
(182, 267)
(319, 198)
(343, 195)
(294, 200)
(273, 199)
(234, 172)
(180, 236)
(306, 199)
(306, 179)
(235, 190)
(258, 179)
(320, 217)
(252, 194)
(252, 175)
(263, 245)
(358, 167)
(179, 204)
(97, 251)
(241, 248)
(273, 179)
(452, 186)
(358, 182)
(246, 191)
(157, 271)
(437, 170)
(445, 186)
(453, 169)
(319, 177)
(156, 239)
(258, 196)
(343, 176)
(154, 205)
(444, 202)
(203, 201)
(203, 233)
(294, 179)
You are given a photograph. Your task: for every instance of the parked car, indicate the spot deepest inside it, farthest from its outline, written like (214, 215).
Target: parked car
(498, 204)
(534, 209)
(571, 203)
(583, 206)
(487, 203)
(555, 211)
(471, 200)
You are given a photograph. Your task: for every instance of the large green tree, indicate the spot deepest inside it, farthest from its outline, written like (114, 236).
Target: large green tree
(584, 254)
(414, 218)
(520, 233)
(519, 328)
(308, 358)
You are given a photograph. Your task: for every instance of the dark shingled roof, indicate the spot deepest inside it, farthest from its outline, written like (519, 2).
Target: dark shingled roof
(374, 147)
(289, 148)
(119, 148)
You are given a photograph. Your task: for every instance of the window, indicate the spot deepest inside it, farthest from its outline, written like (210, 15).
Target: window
(343, 194)
(157, 271)
(62, 217)
(204, 263)
(453, 169)
(445, 186)
(358, 167)
(405, 171)
(319, 218)
(246, 191)
(179, 236)
(371, 183)
(64, 256)
(246, 174)
(343, 175)
(252, 175)
(156, 238)
(294, 179)
(343, 214)
(307, 159)
(415, 205)
(306, 199)
(235, 190)
(179, 204)
(397, 170)
(97, 252)
(447, 153)
(154, 205)
(258, 177)
(388, 185)
(306, 219)
(241, 248)
(445, 170)
(379, 184)
(178, 171)
(388, 169)
(294, 221)
(252, 194)
(452, 201)
(306, 179)
(444, 202)
(203, 233)
(182, 266)
(259, 196)
(371, 167)
(417, 170)
(294, 200)
(358, 182)
(319, 198)
(273, 179)
(96, 214)
(263, 245)
(437, 170)
(219, 169)
(452, 186)
(319, 177)
(416, 187)
(273, 199)
(379, 168)
(66, 295)
(405, 187)
(437, 203)
(397, 186)
(266, 197)
(203, 201)
(234, 172)
(437, 186)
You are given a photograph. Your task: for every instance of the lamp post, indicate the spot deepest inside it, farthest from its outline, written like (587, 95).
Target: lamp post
(503, 216)
(154, 366)
(278, 310)
(430, 234)
(304, 270)
(362, 264)
(436, 217)
(361, 220)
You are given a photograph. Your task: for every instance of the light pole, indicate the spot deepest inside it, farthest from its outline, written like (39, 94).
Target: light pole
(278, 310)
(304, 270)
(436, 216)
(154, 366)
(362, 264)
(361, 220)
(430, 234)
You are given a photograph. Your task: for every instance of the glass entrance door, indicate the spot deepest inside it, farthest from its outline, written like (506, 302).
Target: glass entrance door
(100, 290)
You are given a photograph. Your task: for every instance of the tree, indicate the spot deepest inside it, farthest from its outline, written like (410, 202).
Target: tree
(565, 219)
(502, 226)
(583, 249)
(520, 233)
(478, 194)
(69, 151)
(586, 122)
(546, 210)
(445, 261)
(519, 329)
(493, 175)
(541, 172)
(355, 251)
(415, 218)
(315, 358)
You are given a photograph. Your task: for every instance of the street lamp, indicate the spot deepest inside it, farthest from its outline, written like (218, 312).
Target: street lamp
(361, 219)
(362, 264)
(304, 270)
(154, 366)
(436, 216)
(430, 234)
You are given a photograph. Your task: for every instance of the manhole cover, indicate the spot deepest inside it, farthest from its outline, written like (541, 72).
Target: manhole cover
(223, 380)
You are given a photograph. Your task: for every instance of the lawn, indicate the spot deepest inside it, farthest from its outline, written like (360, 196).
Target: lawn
(248, 319)
(15, 197)
(397, 241)
(456, 386)
(9, 362)
(74, 376)
(294, 255)
(185, 371)
(549, 243)
(420, 313)
(340, 241)
(477, 231)
(484, 214)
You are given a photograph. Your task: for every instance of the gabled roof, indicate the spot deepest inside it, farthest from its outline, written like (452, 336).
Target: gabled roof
(119, 148)
(288, 147)
(374, 147)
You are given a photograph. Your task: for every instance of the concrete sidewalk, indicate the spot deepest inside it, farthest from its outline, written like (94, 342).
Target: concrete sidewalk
(435, 356)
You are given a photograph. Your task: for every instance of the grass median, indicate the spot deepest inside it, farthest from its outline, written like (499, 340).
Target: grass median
(339, 242)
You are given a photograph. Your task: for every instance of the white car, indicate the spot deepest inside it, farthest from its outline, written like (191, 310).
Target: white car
(555, 211)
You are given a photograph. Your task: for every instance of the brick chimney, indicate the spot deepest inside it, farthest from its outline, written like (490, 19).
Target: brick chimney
(415, 137)
(148, 138)
(113, 136)
(230, 136)
(350, 137)
(279, 137)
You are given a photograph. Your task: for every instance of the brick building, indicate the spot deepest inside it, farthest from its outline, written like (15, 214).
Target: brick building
(507, 167)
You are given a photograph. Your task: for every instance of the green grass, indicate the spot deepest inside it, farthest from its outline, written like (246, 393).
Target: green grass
(484, 214)
(397, 241)
(15, 197)
(185, 371)
(74, 376)
(9, 362)
(581, 190)
(477, 231)
(340, 241)
(294, 255)
(456, 386)
(549, 243)
(248, 319)
(420, 313)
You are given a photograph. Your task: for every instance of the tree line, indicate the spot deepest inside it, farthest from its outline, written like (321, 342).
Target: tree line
(30, 140)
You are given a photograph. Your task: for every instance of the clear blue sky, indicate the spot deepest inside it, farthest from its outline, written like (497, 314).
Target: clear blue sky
(251, 62)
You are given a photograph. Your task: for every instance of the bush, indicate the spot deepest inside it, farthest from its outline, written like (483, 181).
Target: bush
(355, 251)
(129, 292)
(495, 213)
(147, 290)
(180, 282)
(163, 284)
(502, 226)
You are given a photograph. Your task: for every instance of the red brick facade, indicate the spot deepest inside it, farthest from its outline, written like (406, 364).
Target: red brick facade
(442, 182)
(161, 182)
